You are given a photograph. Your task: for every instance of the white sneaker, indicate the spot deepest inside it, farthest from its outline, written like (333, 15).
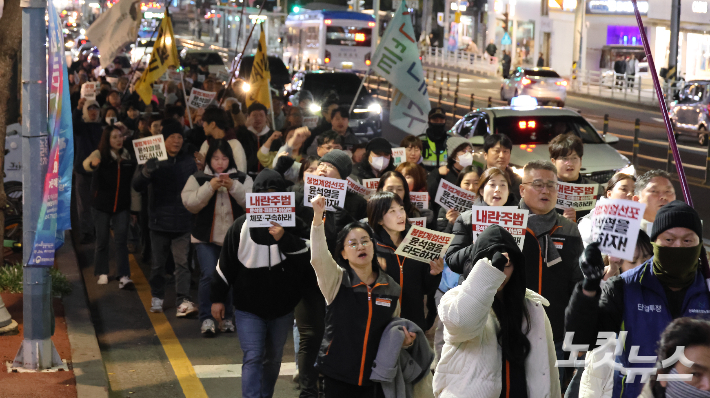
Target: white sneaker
(186, 308)
(208, 329)
(125, 283)
(103, 280)
(156, 305)
(227, 326)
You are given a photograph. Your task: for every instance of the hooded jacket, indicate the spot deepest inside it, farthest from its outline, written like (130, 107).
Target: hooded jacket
(265, 275)
(413, 277)
(471, 363)
(87, 135)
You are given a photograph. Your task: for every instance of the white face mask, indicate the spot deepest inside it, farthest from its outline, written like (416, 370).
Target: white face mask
(465, 159)
(380, 163)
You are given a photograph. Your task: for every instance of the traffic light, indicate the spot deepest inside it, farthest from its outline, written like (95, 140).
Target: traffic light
(295, 8)
(505, 21)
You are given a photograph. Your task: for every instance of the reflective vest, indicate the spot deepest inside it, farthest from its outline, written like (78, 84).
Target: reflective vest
(429, 154)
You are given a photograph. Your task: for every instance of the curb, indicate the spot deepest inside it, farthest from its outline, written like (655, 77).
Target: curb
(88, 366)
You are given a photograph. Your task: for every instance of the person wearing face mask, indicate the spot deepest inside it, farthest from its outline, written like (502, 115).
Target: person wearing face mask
(434, 141)
(620, 186)
(671, 283)
(460, 156)
(468, 180)
(217, 197)
(498, 339)
(693, 336)
(377, 160)
(87, 136)
(387, 217)
(109, 116)
(655, 189)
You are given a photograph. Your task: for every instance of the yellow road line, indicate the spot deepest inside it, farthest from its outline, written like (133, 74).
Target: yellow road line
(191, 385)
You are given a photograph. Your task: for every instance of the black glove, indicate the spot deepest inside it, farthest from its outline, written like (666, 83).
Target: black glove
(499, 261)
(150, 166)
(592, 266)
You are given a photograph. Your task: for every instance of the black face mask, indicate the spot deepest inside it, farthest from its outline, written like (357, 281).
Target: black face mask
(436, 131)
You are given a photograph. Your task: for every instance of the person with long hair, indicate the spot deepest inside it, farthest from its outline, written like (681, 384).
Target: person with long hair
(387, 217)
(361, 301)
(393, 181)
(498, 340)
(112, 167)
(467, 179)
(415, 175)
(217, 197)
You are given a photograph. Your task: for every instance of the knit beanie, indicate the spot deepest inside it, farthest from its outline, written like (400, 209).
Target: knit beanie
(340, 160)
(379, 145)
(676, 214)
(171, 126)
(454, 142)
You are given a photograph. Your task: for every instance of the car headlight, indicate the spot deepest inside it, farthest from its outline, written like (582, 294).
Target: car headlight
(69, 44)
(314, 108)
(82, 31)
(246, 87)
(375, 108)
(630, 170)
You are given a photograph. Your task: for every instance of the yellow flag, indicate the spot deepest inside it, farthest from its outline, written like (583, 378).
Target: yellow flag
(164, 54)
(260, 76)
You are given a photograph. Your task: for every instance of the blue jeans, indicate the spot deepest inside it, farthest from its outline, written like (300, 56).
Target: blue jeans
(207, 256)
(104, 222)
(262, 342)
(163, 243)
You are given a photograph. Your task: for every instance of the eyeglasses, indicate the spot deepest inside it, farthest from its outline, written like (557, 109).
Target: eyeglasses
(538, 185)
(325, 166)
(354, 244)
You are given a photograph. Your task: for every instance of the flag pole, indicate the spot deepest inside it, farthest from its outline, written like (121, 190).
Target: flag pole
(135, 67)
(231, 75)
(362, 83)
(705, 266)
(184, 94)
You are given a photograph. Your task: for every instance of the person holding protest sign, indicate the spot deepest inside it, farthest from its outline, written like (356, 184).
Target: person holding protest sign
(361, 301)
(386, 215)
(87, 136)
(170, 221)
(376, 162)
(112, 200)
(468, 180)
(566, 151)
(460, 155)
(498, 340)
(415, 175)
(645, 299)
(496, 152)
(393, 181)
(620, 186)
(217, 196)
(265, 270)
(215, 124)
(693, 337)
(655, 189)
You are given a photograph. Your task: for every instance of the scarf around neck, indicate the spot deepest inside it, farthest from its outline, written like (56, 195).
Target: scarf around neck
(541, 225)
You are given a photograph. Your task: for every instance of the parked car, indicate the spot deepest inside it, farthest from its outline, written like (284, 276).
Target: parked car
(542, 83)
(366, 117)
(279, 73)
(211, 58)
(690, 110)
(531, 129)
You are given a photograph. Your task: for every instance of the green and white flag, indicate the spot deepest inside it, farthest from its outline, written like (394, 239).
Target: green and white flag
(397, 60)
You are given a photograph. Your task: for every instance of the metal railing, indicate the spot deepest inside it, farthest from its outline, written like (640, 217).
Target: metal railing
(631, 88)
(437, 56)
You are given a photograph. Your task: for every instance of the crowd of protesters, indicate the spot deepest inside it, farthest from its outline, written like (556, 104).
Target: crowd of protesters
(500, 313)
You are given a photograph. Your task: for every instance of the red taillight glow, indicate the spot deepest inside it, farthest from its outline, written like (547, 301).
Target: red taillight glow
(328, 22)
(522, 125)
(530, 124)
(526, 81)
(359, 37)
(327, 60)
(290, 103)
(371, 24)
(562, 83)
(368, 62)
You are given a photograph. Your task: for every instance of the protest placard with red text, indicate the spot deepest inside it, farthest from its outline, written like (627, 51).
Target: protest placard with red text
(263, 208)
(449, 196)
(332, 189)
(424, 244)
(615, 225)
(513, 219)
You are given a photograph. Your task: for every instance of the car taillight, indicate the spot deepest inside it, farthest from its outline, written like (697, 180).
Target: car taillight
(528, 148)
(562, 83)
(526, 124)
(526, 81)
(359, 37)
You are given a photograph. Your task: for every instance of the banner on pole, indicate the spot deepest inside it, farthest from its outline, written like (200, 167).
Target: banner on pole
(263, 208)
(260, 76)
(164, 54)
(332, 189)
(150, 147)
(423, 244)
(615, 225)
(114, 28)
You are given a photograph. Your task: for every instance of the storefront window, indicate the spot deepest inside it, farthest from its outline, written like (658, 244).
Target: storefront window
(623, 35)
(696, 65)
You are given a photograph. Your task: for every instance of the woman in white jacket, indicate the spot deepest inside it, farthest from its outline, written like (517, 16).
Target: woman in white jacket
(217, 197)
(498, 340)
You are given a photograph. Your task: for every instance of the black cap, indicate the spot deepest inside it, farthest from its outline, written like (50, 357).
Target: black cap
(437, 112)
(676, 214)
(379, 145)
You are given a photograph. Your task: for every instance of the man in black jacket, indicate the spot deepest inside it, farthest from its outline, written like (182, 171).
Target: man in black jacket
(170, 221)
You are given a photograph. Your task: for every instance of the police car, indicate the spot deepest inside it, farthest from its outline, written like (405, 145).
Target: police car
(531, 128)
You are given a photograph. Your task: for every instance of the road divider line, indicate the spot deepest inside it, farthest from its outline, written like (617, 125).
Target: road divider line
(184, 371)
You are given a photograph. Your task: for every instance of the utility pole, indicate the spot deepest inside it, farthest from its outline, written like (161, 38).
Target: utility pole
(577, 50)
(672, 75)
(376, 29)
(37, 351)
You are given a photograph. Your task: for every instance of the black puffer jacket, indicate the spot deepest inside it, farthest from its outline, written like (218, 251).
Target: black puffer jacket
(111, 182)
(164, 185)
(87, 137)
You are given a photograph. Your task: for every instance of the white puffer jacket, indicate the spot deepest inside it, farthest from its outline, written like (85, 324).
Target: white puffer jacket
(471, 360)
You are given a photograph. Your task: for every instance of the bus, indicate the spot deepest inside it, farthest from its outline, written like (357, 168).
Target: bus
(341, 40)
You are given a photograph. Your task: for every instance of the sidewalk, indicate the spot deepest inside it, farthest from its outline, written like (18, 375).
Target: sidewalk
(74, 337)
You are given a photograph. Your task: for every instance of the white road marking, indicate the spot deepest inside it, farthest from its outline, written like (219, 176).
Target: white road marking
(658, 119)
(235, 370)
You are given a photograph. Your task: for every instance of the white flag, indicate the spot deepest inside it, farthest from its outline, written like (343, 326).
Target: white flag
(397, 60)
(114, 28)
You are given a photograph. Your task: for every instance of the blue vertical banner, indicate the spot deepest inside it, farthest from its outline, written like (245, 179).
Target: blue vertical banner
(54, 216)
